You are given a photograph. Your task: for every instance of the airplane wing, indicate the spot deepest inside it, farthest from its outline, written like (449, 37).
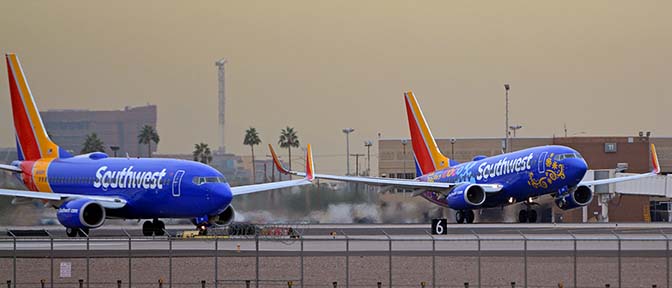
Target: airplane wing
(105, 201)
(378, 181)
(308, 177)
(10, 168)
(654, 172)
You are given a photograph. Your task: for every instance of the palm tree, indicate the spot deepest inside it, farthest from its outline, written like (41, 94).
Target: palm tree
(202, 153)
(147, 136)
(251, 139)
(288, 139)
(92, 144)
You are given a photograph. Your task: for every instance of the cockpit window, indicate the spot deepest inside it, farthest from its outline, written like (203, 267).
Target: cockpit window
(202, 180)
(559, 157)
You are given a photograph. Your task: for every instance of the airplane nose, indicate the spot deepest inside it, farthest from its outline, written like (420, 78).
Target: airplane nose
(577, 169)
(221, 194)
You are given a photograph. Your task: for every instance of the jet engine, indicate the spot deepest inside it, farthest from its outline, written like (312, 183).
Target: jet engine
(466, 196)
(226, 217)
(580, 196)
(81, 213)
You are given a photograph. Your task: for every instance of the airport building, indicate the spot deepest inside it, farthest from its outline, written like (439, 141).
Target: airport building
(119, 128)
(619, 154)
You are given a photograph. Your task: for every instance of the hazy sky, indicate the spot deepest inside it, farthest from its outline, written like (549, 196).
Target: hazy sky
(601, 67)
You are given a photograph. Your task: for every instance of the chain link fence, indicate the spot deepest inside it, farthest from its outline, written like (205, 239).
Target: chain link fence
(339, 260)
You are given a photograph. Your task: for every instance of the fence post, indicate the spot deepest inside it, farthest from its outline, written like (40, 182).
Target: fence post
(88, 252)
(14, 264)
(216, 261)
(575, 255)
(301, 260)
(478, 258)
(51, 256)
(389, 255)
(170, 259)
(433, 259)
(667, 258)
(347, 260)
(525, 258)
(619, 257)
(130, 273)
(256, 247)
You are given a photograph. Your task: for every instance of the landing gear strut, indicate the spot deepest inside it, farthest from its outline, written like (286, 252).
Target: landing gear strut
(463, 216)
(155, 227)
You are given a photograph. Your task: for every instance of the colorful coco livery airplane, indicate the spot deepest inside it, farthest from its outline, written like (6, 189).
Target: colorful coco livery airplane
(87, 189)
(488, 182)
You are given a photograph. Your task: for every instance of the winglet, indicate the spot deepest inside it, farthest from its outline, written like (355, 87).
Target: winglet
(277, 163)
(654, 160)
(310, 168)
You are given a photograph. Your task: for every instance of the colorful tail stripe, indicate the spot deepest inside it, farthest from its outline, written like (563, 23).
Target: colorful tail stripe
(309, 164)
(654, 159)
(33, 141)
(427, 154)
(278, 165)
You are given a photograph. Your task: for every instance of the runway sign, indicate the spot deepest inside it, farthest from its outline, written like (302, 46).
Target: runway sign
(439, 226)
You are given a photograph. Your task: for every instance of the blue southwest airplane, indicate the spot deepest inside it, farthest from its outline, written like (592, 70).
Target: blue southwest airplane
(87, 189)
(487, 182)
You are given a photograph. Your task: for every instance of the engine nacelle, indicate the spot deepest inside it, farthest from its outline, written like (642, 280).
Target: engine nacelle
(466, 196)
(226, 217)
(81, 213)
(580, 196)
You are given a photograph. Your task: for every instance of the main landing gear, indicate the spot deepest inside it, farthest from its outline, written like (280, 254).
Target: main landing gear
(464, 216)
(527, 215)
(155, 227)
(73, 232)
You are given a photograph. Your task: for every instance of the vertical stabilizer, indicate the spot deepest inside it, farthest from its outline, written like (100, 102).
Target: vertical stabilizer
(32, 140)
(427, 155)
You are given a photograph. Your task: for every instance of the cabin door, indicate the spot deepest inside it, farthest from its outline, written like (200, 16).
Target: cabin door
(177, 183)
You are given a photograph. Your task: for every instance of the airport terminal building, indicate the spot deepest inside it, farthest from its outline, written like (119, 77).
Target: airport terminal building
(623, 154)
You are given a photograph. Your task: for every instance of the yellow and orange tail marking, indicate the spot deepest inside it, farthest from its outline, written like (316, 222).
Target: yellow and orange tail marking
(654, 159)
(276, 161)
(426, 152)
(310, 168)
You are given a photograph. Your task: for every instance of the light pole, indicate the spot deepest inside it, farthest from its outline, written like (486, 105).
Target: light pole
(514, 128)
(403, 144)
(368, 145)
(347, 132)
(506, 125)
(452, 148)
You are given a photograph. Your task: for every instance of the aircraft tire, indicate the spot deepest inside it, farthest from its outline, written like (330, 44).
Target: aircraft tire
(147, 228)
(469, 216)
(71, 232)
(459, 217)
(159, 227)
(522, 216)
(532, 216)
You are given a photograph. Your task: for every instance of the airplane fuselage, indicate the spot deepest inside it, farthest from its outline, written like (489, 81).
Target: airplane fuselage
(526, 173)
(152, 187)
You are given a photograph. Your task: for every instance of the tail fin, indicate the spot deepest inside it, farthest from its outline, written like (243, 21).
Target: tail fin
(32, 140)
(426, 152)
